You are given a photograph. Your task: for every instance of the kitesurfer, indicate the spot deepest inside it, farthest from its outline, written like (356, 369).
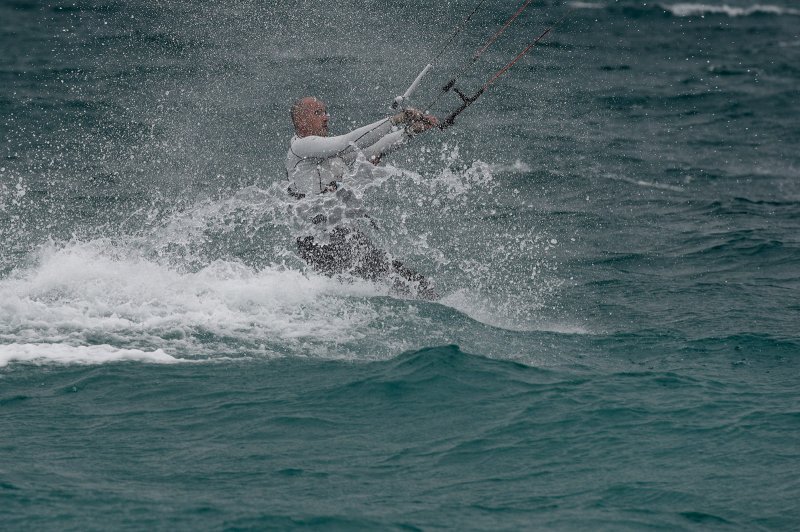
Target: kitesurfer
(316, 164)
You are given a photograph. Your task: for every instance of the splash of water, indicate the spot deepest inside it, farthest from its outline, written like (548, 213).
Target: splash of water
(221, 278)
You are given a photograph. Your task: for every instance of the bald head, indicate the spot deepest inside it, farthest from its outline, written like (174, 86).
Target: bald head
(310, 117)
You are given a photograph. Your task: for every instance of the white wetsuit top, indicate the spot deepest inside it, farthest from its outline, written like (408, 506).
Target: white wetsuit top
(314, 164)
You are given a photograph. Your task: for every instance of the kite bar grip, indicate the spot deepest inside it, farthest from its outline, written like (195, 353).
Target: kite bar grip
(400, 101)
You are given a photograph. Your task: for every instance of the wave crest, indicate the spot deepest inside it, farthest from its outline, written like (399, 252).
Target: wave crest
(83, 354)
(690, 9)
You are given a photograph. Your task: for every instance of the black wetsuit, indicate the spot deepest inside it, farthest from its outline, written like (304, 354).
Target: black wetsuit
(351, 251)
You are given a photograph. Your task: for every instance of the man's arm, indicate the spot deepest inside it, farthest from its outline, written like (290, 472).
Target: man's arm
(417, 123)
(324, 147)
(386, 145)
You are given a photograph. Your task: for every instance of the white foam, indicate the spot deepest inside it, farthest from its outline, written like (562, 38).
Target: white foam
(689, 9)
(517, 167)
(41, 354)
(84, 291)
(586, 5)
(647, 184)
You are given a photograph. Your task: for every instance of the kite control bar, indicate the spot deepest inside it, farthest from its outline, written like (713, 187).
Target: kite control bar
(469, 100)
(401, 102)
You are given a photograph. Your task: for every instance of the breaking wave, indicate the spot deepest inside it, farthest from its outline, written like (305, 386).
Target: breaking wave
(691, 10)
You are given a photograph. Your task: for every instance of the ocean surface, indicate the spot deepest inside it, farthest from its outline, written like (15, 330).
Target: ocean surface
(613, 229)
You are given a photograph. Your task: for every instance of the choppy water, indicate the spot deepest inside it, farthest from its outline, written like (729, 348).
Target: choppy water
(614, 229)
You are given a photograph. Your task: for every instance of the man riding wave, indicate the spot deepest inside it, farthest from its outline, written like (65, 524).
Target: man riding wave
(317, 163)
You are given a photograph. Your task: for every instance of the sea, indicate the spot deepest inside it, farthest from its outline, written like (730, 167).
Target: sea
(612, 228)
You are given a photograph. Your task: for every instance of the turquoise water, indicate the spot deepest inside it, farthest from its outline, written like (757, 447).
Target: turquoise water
(613, 229)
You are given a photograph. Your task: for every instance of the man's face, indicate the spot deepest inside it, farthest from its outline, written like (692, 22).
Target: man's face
(313, 118)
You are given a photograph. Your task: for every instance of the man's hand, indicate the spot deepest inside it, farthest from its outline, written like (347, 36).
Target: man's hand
(423, 123)
(415, 120)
